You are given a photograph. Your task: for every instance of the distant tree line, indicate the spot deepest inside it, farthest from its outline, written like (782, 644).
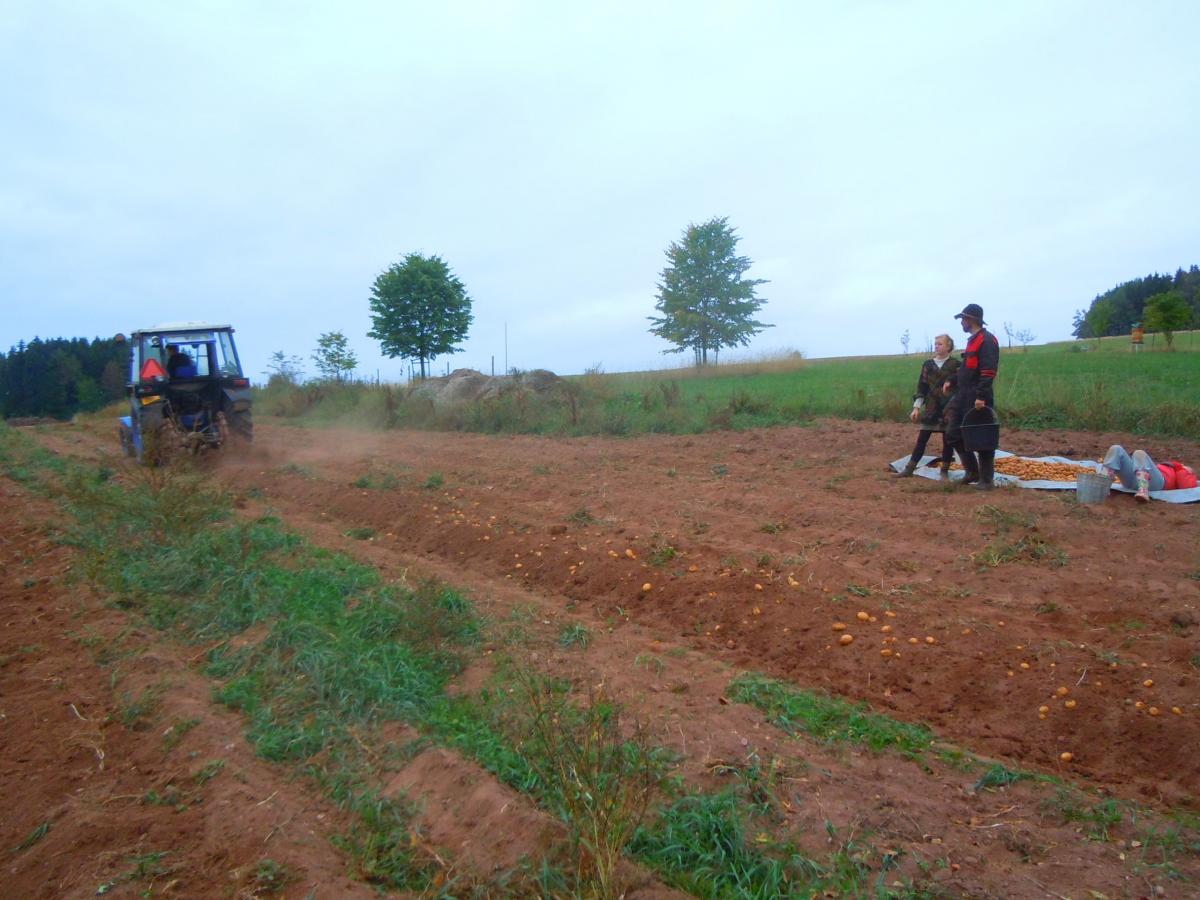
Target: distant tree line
(1160, 302)
(59, 377)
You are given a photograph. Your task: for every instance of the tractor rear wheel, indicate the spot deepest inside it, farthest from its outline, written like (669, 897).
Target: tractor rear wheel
(157, 436)
(239, 426)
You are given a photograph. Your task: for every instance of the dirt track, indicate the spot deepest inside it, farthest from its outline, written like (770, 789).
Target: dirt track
(753, 545)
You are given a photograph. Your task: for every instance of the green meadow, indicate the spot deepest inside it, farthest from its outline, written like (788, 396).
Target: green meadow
(1088, 385)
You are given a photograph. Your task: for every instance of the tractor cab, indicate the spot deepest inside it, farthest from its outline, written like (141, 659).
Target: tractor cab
(186, 386)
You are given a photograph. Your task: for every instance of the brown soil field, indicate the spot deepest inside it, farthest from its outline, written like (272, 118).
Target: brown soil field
(219, 822)
(690, 560)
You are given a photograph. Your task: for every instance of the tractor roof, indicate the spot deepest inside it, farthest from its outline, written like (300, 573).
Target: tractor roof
(183, 326)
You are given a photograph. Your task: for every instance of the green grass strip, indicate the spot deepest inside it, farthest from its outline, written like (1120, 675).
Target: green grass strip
(827, 718)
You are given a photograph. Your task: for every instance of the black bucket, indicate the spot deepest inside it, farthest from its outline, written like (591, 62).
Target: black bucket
(981, 429)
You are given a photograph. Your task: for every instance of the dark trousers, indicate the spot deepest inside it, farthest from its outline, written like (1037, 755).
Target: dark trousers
(923, 437)
(978, 465)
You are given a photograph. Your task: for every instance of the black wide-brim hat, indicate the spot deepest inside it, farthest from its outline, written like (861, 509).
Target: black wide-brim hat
(972, 310)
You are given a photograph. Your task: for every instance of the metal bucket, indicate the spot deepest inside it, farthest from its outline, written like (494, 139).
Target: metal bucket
(981, 429)
(1092, 487)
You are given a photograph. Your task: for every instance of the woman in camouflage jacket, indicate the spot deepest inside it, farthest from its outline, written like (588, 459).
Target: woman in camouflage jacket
(930, 402)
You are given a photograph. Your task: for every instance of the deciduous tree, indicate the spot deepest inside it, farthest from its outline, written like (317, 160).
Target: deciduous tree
(703, 300)
(419, 310)
(1098, 319)
(1168, 312)
(333, 356)
(284, 369)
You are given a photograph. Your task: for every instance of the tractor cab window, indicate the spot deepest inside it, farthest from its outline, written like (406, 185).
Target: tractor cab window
(184, 355)
(150, 359)
(188, 355)
(227, 359)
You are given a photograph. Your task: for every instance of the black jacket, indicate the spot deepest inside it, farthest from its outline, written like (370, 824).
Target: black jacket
(981, 359)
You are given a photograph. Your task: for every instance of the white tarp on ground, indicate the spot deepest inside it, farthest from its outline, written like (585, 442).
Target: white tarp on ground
(928, 469)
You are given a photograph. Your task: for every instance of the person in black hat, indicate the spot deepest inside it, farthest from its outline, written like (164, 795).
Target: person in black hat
(981, 359)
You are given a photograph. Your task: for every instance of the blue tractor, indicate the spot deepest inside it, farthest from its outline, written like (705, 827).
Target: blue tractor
(187, 393)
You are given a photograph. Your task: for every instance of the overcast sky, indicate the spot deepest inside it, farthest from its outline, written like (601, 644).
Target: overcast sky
(883, 162)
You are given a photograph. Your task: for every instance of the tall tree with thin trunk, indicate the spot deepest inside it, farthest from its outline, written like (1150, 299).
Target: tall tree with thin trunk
(419, 310)
(703, 300)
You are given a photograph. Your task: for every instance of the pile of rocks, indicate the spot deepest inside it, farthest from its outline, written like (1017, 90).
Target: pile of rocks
(468, 385)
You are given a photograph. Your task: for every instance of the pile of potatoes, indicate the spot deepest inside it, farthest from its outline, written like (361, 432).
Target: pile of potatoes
(1033, 470)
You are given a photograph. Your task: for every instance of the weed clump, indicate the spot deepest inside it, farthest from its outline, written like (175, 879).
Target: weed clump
(598, 775)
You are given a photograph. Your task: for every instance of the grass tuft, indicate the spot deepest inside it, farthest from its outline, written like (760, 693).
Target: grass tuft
(582, 516)
(1097, 820)
(699, 844)
(34, 836)
(575, 635)
(998, 776)
(827, 718)
(136, 712)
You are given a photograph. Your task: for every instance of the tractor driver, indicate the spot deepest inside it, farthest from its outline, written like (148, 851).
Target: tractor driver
(178, 360)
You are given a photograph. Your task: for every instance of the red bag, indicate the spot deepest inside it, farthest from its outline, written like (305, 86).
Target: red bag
(1176, 476)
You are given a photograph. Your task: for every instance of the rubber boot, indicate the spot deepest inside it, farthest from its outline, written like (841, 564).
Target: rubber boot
(909, 468)
(1142, 476)
(970, 466)
(987, 470)
(946, 458)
